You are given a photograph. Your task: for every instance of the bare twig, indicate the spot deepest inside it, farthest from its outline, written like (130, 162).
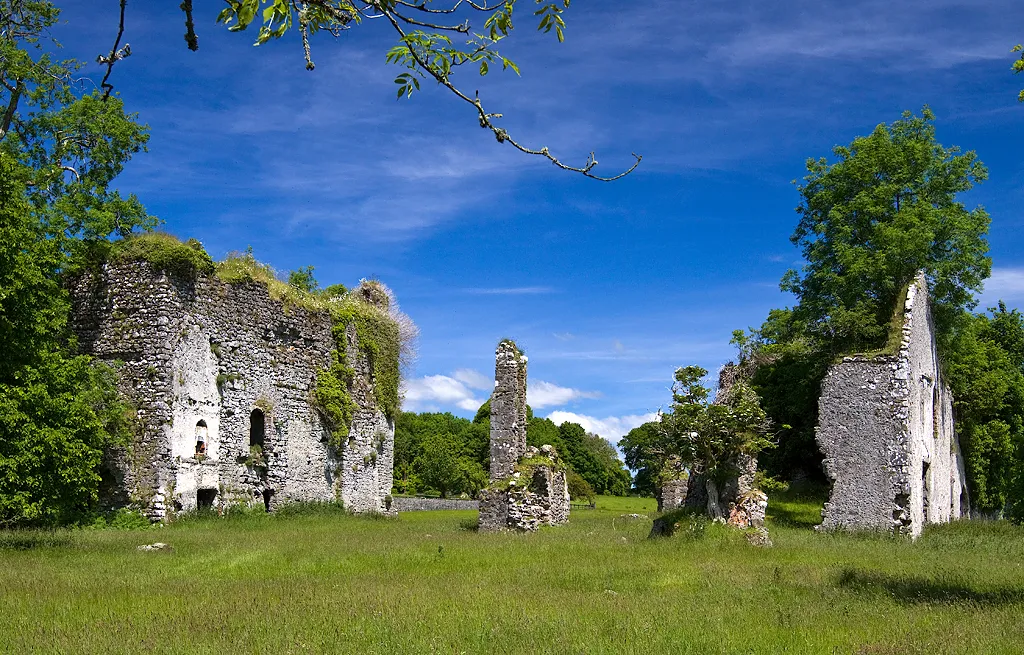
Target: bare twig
(421, 6)
(190, 27)
(71, 169)
(115, 55)
(501, 134)
(462, 28)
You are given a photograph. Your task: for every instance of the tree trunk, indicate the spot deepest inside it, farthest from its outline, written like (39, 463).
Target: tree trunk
(714, 507)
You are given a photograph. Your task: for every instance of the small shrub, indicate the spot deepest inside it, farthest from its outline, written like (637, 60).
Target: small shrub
(128, 519)
(768, 484)
(579, 488)
(310, 508)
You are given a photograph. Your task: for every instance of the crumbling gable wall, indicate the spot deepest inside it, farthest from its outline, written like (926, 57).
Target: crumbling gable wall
(885, 426)
(529, 487)
(229, 365)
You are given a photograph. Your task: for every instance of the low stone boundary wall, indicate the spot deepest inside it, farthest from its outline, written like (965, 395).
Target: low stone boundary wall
(403, 504)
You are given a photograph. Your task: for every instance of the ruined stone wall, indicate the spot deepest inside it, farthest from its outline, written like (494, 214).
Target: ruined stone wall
(405, 504)
(673, 482)
(885, 426)
(737, 487)
(528, 486)
(508, 410)
(212, 361)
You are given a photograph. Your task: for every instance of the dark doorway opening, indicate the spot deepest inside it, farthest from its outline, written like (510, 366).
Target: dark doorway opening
(205, 498)
(257, 425)
(267, 495)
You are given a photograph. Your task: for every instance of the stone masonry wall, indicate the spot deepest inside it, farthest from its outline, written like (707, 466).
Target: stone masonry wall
(528, 486)
(508, 410)
(885, 425)
(212, 361)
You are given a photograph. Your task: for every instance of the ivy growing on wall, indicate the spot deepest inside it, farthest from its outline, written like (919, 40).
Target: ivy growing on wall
(382, 332)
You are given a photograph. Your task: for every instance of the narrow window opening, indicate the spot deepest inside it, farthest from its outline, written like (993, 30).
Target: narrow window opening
(201, 437)
(257, 425)
(925, 488)
(205, 498)
(267, 494)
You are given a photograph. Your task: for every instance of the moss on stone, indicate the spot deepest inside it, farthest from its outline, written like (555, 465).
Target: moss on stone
(166, 253)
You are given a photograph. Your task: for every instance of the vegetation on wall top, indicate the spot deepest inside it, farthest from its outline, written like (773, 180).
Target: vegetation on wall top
(165, 252)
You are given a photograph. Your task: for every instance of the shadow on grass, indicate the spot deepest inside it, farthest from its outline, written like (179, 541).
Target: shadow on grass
(799, 506)
(32, 539)
(911, 589)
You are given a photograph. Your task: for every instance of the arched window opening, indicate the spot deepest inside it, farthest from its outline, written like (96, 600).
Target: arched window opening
(201, 437)
(257, 425)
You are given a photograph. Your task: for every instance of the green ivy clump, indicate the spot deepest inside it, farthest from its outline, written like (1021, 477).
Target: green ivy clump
(331, 397)
(165, 253)
(377, 333)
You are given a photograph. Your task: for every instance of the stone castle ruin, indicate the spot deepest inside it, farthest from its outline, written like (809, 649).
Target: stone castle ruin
(528, 485)
(885, 426)
(223, 378)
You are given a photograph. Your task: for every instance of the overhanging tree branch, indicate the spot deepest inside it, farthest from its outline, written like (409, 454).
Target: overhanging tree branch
(424, 53)
(116, 54)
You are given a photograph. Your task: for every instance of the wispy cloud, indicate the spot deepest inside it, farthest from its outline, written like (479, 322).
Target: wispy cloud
(611, 428)
(473, 379)
(439, 393)
(1006, 284)
(545, 394)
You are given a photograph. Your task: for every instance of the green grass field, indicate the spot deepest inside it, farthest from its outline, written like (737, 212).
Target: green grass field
(427, 582)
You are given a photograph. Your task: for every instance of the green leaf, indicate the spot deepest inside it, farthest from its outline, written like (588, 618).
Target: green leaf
(483, 68)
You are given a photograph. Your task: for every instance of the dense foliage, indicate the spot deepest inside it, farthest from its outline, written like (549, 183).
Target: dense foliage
(885, 209)
(448, 454)
(986, 370)
(59, 151)
(707, 438)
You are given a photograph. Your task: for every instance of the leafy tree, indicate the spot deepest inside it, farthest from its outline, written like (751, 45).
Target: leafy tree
(642, 449)
(869, 221)
(438, 464)
(59, 151)
(578, 487)
(985, 364)
(711, 437)
(303, 280)
(472, 476)
(886, 208)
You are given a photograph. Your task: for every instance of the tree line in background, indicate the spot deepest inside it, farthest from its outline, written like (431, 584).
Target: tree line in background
(885, 208)
(446, 454)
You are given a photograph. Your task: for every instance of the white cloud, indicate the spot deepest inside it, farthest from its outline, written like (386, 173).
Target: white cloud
(1005, 284)
(473, 379)
(611, 428)
(545, 394)
(438, 392)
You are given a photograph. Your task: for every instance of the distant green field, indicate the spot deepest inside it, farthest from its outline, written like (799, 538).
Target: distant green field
(427, 582)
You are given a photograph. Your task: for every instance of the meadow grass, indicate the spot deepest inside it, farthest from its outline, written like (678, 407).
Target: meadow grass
(427, 582)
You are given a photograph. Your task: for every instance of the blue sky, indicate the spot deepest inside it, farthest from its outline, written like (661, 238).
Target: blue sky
(608, 287)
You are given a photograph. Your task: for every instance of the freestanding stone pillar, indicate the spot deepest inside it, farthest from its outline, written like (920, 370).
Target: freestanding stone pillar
(508, 410)
(529, 486)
